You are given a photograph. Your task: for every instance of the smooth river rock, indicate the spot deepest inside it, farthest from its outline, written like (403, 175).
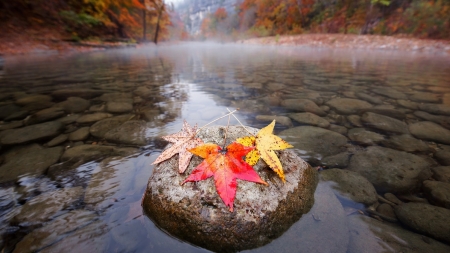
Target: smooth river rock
(303, 105)
(430, 131)
(315, 142)
(384, 123)
(133, 132)
(371, 235)
(438, 193)
(441, 173)
(391, 170)
(364, 137)
(405, 142)
(350, 187)
(194, 212)
(439, 109)
(443, 157)
(32, 133)
(348, 106)
(427, 219)
(308, 118)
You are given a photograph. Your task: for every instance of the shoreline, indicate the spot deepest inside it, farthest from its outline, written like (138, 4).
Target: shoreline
(15, 46)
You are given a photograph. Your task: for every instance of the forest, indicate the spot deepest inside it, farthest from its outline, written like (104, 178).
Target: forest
(259, 18)
(155, 20)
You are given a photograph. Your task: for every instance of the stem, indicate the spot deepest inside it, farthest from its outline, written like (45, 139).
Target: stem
(241, 123)
(230, 113)
(226, 131)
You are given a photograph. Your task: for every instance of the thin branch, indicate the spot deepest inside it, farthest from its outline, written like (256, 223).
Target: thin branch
(241, 123)
(230, 113)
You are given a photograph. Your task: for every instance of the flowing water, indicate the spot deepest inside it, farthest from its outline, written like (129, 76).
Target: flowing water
(70, 186)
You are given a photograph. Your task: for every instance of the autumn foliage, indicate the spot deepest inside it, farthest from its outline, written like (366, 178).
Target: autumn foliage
(421, 18)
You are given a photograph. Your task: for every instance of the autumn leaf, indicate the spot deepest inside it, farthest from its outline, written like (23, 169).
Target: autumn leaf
(226, 166)
(265, 142)
(182, 141)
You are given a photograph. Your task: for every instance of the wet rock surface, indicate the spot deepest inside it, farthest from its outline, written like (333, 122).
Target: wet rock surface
(32, 133)
(391, 170)
(438, 193)
(195, 213)
(431, 220)
(430, 131)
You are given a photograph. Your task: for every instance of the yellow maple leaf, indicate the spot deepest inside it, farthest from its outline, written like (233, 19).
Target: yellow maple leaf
(265, 142)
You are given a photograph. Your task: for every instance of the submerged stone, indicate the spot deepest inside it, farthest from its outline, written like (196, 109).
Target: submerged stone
(195, 213)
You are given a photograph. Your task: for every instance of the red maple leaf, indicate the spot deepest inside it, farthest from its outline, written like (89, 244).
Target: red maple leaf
(226, 166)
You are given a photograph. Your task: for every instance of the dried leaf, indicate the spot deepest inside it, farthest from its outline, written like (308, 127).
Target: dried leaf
(226, 167)
(265, 142)
(182, 141)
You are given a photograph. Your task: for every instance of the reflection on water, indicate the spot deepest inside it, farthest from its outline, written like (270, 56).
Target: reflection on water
(78, 135)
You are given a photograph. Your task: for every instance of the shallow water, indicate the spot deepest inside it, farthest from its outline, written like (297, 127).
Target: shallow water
(197, 83)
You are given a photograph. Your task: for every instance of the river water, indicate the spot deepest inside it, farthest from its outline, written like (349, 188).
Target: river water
(79, 133)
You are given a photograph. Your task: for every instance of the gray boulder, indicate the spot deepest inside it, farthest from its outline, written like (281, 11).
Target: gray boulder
(426, 130)
(194, 212)
(391, 170)
(427, 219)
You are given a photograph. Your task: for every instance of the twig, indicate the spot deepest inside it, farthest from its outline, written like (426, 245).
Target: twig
(230, 113)
(241, 123)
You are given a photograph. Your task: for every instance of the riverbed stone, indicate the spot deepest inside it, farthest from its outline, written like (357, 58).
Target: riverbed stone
(303, 105)
(336, 161)
(425, 97)
(437, 193)
(441, 173)
(19, 115)
(315, 142)
(31, 160)
(11, 125)
(438, 119)
(427, 219)
(92, 152)
(57, 140)
(430, 131)
(371, 235)
(7, 110)
(439, 109)
(338, 129)
(384, 123)
(74, 105)
(355, 120)
(350, 187)
(393, 113)
(93, 117)
(76, 92)
(47, 205)
(80, 134)
(369, 98)
(45, 115)
(391, 170)
(283, 120)
(119, 107)
(32, 133)
(390, 93)
(309, 119)
(116, 97)
(364, 137)
(408, 104)
(54, 231)
(193, 212)
(69, 119)
(443, 157)
(100, 128)
(33, 98)
(348, 106)
(132, 132)
(405, 142)
(387, 211)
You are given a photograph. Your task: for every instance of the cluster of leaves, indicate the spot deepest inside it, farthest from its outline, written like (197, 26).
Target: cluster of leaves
(225, 165)
(423, 18)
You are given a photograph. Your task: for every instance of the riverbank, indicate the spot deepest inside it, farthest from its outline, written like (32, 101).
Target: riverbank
(352, 41)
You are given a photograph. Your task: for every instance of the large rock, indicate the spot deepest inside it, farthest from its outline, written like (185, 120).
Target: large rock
(47, 206)
(430, 131)
(427, 219)
(371, 235)
(327, 219)
(406, 142)
(315, 142)
(194, 212)
(391, 170)
(32, 133)
(31, 160)
(384, 123)
(303, 105)
(441, 173)
(438, 193)
(350, 187)
(348, 105)
(133, 132)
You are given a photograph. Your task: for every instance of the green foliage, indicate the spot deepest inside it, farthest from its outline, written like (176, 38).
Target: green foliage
(428, 19)
(79, 19)
(382, 2)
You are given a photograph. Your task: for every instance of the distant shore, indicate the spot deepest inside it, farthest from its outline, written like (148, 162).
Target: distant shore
(23, 45)
(351, 41)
